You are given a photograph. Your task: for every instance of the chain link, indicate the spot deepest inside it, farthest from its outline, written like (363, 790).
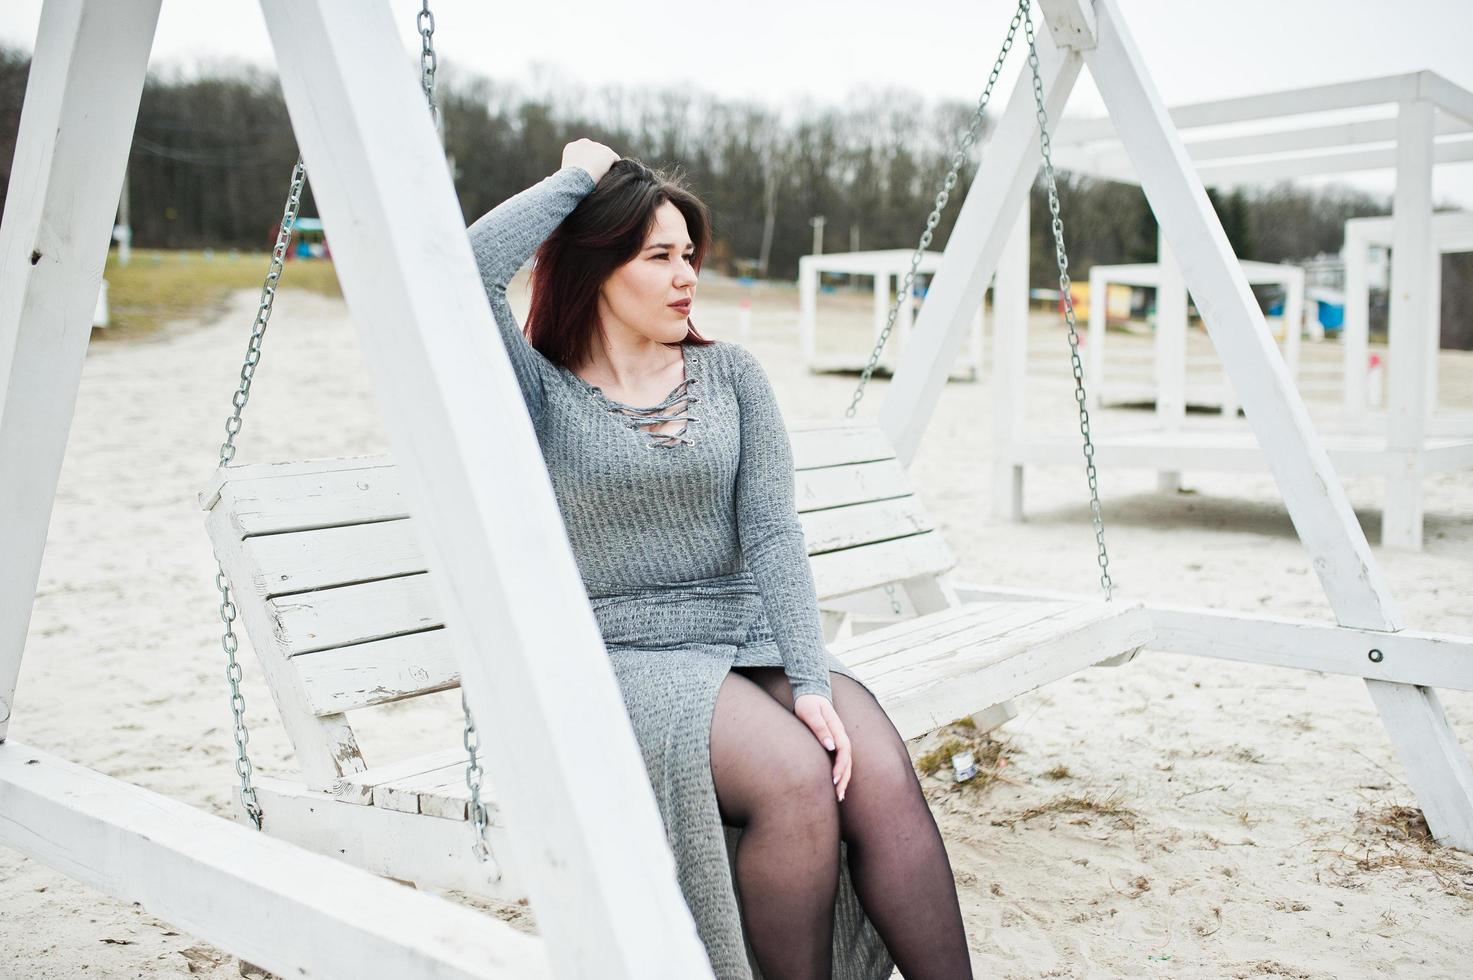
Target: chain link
(263, 310)
(428, 63)
(1062, 259)
(238, 401)
(903, 293)
(474, 775)
(237, 702)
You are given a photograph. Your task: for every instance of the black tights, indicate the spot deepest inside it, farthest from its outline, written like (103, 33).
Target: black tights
(774, 779)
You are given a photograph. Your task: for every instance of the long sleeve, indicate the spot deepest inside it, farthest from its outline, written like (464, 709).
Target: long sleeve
(770, 533)
(502, 240)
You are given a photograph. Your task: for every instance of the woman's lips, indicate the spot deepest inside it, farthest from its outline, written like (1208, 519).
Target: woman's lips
(683, 307)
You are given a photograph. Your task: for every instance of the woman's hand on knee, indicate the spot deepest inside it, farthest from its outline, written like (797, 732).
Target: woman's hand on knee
(817, 712)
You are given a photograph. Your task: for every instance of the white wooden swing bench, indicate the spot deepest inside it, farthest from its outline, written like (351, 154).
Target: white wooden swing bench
(333, 591)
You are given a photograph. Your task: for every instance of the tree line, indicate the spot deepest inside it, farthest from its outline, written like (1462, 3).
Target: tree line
(212, 155)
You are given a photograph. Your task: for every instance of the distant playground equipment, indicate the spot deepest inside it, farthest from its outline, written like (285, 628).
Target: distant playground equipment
(1168, 363)
(886, 267)
(1432, 117)
(310, 241)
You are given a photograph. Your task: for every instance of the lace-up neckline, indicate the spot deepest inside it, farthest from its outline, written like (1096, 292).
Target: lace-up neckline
(674, 407)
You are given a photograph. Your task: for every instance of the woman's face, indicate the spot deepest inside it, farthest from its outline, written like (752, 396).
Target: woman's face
(638, 295)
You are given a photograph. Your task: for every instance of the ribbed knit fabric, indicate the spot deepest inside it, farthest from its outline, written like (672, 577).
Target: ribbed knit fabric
(693, 559)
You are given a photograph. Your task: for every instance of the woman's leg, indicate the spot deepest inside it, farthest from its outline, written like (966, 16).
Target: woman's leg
(897, 860)
(772, 779)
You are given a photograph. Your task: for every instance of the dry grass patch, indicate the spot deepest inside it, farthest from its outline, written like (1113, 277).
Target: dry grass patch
(159, 287)
(1397, 836)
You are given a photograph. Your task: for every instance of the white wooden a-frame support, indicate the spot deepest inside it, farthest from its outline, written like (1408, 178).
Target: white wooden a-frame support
(1094, 33)
(557, 743)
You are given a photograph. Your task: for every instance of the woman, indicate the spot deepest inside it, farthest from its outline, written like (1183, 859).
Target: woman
(674, 475)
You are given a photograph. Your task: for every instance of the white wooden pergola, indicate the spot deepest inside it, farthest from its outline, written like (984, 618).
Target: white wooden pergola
(1168, 387)
(888, 268)
(1432, 124)
(1451, 232)
(601, 878)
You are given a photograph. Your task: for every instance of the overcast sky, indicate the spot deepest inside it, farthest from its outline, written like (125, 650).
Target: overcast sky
(776, 51)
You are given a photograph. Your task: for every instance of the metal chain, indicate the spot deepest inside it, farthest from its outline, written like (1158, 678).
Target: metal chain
(237, 703)
(1062, 257)
(238, 401)
(425, 21)
(481, 848)
(902, 294)
(263, 310)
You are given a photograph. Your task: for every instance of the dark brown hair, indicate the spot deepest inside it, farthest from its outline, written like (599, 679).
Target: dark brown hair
(605, 230)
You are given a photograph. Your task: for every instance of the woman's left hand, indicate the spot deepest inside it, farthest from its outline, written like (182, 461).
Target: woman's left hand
(817, 712)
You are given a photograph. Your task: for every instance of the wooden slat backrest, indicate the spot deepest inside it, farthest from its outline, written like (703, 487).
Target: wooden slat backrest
(327, 553)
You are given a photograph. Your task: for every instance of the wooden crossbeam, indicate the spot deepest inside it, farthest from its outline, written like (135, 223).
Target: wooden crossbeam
(291, 911)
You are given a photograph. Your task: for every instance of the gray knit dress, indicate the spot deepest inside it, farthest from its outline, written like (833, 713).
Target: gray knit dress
(693, 558)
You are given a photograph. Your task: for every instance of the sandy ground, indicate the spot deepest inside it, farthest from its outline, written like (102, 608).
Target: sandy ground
(1176, 817)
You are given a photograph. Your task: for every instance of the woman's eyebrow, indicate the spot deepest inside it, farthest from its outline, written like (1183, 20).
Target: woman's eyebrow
(665, 245)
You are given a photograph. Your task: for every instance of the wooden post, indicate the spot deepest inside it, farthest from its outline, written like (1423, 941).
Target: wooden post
(808, 308)
(1010, 371)
(1355, 329)
(879, 313)
(71, 150)
(1171, 353)
(1412, 252)
(904, 316)
(557, 740)
(1436, 768)
(1094, 349)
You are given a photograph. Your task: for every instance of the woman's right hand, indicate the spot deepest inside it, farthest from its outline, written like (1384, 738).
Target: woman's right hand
(592, 157)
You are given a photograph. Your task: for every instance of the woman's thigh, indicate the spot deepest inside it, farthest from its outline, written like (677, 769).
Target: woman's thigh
(763, 756)
(882, 764)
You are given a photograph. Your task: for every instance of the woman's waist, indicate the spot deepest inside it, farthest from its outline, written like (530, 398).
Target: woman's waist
(721, 609)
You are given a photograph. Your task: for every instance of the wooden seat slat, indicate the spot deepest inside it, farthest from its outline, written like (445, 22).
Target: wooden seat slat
(948, 629)
(838, 573)
(955, 683)
(990, 631)
(377, 672)
(403, 794)
(328, 618)
(326, 558)
(358, 787)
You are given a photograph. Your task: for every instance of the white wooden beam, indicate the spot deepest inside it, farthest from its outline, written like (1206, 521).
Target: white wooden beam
(1009, 163)
(1109, 156)
(1437, 771)
(1171, 352)
(1412, 253)
(1108, 165)
(1355, 330)
(291, 911)
(1070, 24)
(1345, 162)
(1451, 99)
(1316, 502)
(76, 125)
(1010, 370)
(1269, 105)
(1405, 657)
(602, 879)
